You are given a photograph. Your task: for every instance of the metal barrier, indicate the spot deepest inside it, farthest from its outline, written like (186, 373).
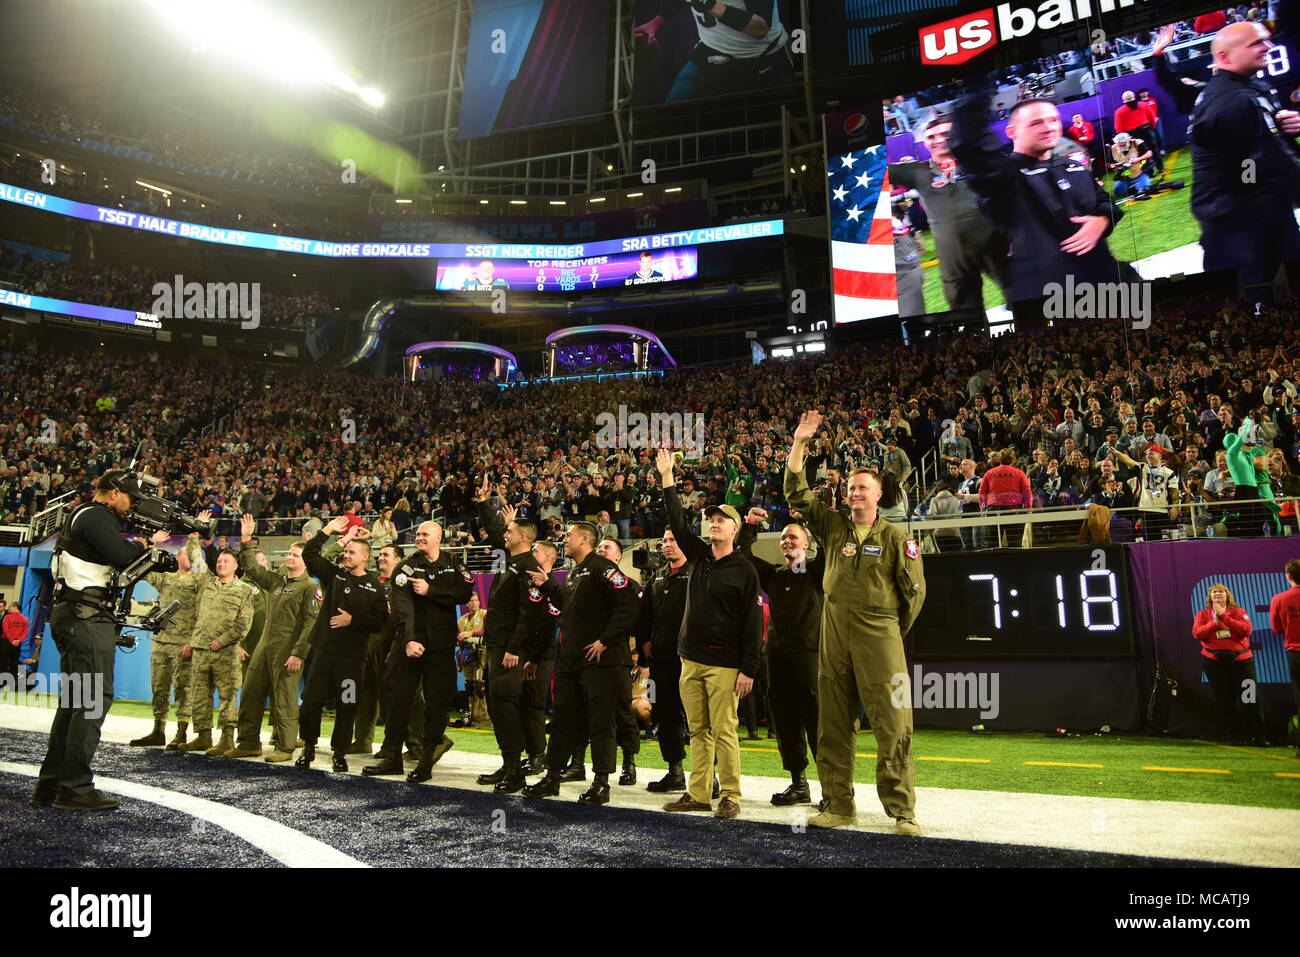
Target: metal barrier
(1060, 525)
(49, 519)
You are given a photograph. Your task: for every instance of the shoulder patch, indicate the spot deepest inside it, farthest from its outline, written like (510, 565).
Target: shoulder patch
(911, 549)
(534, 594)
(320, 595)
(400, 580)
(467, 576)
(616, 577)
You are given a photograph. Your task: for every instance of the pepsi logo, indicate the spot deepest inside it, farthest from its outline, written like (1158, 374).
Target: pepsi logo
(855, 123)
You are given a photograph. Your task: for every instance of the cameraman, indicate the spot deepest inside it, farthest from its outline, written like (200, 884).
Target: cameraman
(89, 550)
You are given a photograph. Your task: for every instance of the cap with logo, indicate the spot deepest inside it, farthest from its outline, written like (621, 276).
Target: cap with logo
(727, 510)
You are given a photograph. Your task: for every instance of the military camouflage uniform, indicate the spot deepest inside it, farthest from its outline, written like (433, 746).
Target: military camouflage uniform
(167, 668)
(225, 614)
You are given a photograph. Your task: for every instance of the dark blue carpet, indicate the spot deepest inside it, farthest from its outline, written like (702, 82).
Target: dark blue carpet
(389, 823)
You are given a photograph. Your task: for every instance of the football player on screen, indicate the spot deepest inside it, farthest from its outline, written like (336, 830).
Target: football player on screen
(645, 272)
(742, 46)
(485, 278)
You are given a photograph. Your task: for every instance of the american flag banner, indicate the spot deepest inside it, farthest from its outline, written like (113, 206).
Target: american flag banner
(862, 237)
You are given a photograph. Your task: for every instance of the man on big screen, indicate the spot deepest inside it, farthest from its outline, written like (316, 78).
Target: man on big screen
(742, 47)
(1246, 168)
(1050, 207)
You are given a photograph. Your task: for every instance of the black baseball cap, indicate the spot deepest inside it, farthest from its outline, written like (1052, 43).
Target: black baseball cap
(122, 480)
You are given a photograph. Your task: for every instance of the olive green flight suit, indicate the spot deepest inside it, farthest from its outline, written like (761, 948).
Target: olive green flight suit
(875, 587)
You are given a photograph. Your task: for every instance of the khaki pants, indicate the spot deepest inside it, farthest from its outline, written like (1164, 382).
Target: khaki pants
(863, 665)
(709, 697)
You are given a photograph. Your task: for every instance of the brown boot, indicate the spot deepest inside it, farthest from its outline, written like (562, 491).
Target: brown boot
(227, 743)
(158, 736)
(175, 743)
(202, 741)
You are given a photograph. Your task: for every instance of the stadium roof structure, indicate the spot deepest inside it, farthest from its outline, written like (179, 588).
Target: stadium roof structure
(613, 331)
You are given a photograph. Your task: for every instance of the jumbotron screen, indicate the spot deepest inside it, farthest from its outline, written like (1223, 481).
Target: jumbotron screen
(1123, 115)
(569, 275)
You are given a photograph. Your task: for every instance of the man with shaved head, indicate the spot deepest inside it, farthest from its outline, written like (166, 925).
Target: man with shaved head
(1246, 169)
(426, 589)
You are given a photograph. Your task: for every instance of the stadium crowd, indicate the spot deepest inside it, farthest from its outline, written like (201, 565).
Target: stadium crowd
(131, 287)
(174, 143)
(1069, 404)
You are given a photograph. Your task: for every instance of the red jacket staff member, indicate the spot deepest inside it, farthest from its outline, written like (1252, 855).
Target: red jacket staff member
(13, 632)
(1284, 619)
(1223, 628)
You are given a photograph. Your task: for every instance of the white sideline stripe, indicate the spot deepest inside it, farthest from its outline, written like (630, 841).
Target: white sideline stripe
(291, 848)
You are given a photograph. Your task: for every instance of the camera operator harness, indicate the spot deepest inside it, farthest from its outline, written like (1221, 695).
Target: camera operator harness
(84, 580)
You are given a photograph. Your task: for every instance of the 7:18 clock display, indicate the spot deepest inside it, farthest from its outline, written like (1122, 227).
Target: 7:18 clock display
(1022, 604)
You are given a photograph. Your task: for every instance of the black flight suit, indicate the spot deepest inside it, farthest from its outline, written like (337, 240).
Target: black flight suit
(1247, 222)
(541, 654)
(793, 636)
(428, 620)
(663, 606)
(599, 603)
(1031, 201)
(338, 654)
(515, 609)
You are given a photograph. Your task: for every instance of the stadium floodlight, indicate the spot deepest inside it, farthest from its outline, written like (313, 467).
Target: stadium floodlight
(519, 202)
(557, 202)
(673, 189)
(248, 34)
(156, 189)
(596, 199)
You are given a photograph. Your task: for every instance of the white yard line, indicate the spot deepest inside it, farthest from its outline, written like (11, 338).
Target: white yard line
(1268, 837)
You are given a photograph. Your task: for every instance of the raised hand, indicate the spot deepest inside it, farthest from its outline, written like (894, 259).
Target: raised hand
(808, 425)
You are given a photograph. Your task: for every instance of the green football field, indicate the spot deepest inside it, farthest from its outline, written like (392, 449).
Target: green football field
(1117, 766)
(1155, 226)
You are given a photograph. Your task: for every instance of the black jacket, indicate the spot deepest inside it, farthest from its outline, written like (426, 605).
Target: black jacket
(599, 603)
(723, 623)
(1232, 123)
(515, 608)
(429, 619)
(793, 595)
(1031, 201)
(663, 607)
(362, 596)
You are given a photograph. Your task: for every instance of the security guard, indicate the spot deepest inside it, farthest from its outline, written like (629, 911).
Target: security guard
(663, 606)
(224, 616)
(516, 609)
(168, 669)
(794, 595)
(599, 606)
(1050, 207)
(1246, 169)
(426, 590)
(538, 665)
(276, 664)
(89, 549)
(352, 606)
(874, 587)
